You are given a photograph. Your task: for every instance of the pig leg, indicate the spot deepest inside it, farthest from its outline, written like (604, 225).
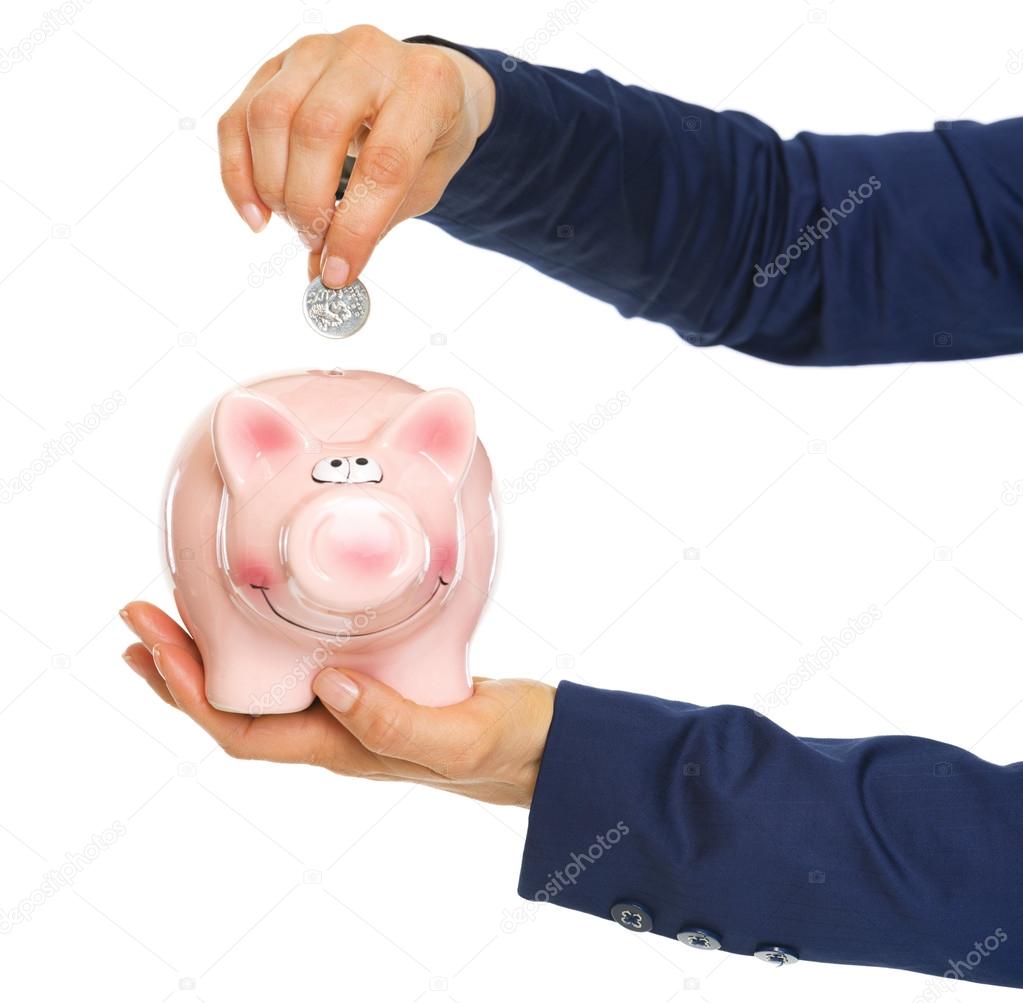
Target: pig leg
(251, 669)
(430, 668)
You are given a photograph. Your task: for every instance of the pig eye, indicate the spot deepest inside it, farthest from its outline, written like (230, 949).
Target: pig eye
(365, 471)
(333, 471)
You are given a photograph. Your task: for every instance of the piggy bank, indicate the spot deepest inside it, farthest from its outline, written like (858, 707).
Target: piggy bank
(331, 519)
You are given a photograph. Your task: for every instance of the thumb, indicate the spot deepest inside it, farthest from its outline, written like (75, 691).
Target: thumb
(381, 719)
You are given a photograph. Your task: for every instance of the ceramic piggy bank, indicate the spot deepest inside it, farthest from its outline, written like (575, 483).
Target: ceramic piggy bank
(331, 519)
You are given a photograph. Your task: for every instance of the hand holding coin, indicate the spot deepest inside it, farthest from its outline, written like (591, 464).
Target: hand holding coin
(413, 113)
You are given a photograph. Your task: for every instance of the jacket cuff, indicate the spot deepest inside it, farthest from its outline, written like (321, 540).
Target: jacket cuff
(591, 842)
(502, 152)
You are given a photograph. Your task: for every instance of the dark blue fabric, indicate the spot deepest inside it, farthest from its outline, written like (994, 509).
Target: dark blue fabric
(893, 851)
(666, 210)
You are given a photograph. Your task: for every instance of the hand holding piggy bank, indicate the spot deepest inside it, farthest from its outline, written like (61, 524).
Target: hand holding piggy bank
(331, 519)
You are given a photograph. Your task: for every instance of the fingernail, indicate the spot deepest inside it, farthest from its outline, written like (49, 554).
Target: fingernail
(125, 616)
(131, 661)
(253, 215)
(335, 272)
(158, 659)
(336, 689)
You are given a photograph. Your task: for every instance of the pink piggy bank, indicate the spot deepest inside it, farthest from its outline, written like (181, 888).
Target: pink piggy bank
(331, 519)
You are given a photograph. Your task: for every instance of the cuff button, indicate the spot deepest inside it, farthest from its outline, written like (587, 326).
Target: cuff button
(632, 916)
(702, 940)
(777, 956)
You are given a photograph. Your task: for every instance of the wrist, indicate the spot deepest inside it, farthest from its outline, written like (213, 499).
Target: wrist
(479, 89)
(541, 713)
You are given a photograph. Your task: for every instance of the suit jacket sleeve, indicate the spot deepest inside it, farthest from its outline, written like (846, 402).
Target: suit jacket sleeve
(817, 250)
(893, 851)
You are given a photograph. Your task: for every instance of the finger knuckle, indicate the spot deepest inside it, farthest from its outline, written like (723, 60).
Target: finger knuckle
(317, 45)
(323, 753)
(231, 169)
(435, 70)
(309, 218)
(464, 763)
(387, 166)
(385, 733)
(230, 125)
(271, 109)
(348, 227)
(300, 207)
(272, 194)
(233, 747)
(318, 122)
(363, 35)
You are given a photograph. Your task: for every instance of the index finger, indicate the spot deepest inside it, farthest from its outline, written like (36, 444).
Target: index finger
(402, 136)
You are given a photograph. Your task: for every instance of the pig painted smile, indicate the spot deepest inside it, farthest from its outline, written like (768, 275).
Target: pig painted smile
(345, 631)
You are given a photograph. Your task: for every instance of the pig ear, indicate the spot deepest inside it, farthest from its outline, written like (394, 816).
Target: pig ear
(441, 426)
(254, 439)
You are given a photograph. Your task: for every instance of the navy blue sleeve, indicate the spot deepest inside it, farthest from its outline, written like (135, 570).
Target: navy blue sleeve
(897, 852)
(818, 250)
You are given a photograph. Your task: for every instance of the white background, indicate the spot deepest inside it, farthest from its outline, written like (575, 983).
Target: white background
(804, 495)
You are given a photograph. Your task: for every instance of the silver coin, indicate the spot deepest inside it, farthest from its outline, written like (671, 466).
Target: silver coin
(335, 313)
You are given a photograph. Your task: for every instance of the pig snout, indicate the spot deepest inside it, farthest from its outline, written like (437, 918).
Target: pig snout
(351, 552)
